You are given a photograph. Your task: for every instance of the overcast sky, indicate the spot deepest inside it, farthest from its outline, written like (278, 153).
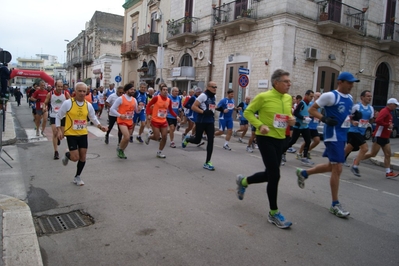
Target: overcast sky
(29, 27)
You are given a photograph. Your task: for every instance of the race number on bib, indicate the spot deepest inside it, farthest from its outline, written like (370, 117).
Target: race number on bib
(79, 124)
(346, 123)
(129, 115)
(175, 105)
(162, 113)
(280, 121)
(363, 123)
(212, 107)
(230, 106)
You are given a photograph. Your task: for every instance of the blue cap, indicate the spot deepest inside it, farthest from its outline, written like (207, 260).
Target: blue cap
(346, 76)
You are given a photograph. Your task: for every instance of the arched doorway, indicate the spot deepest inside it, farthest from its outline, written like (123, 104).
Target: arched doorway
(381, 85)
(186, 61)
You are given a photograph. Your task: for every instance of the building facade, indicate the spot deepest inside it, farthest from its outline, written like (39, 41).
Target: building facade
(94, 55)
(313, 40)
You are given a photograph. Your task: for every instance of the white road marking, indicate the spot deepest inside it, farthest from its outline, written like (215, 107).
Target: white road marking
(391, 194)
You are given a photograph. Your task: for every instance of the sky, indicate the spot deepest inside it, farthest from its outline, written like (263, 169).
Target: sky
(29, 27)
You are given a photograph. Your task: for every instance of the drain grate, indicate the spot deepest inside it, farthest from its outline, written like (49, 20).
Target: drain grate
(49, 224)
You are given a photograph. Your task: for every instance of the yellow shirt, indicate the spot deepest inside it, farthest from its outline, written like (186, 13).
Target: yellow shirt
(76, 119)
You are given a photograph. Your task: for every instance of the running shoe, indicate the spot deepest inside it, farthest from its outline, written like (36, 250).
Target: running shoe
(185, 142)
(160, 155)
(255, 146)
(202, 143)
(37, 133)
(226, 147)
(139, 139)
(172, 145)
(355, 171)
(209, 166)
(301, 178)
(183, 136)
(56, 155)
(178, 127)
(240, 187)
(147, 138)
(249, 149)
(291, 150)
(204, 138)
(278, 220)
(346, 164)
(121, 154)
(78, 181)
(234, 133)
(283, 158)
(106, 139)
(43, 134)
(240, 140)
(309, 157)
(391, 175)
(299, 156)
(64, 160)
(337, 210)
(307, 162)
(131, 139)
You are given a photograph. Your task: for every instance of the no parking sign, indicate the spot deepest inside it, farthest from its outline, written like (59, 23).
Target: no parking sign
(243, 81)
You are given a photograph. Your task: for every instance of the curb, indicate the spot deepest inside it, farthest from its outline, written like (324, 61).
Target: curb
(20, 244)
(9, 137)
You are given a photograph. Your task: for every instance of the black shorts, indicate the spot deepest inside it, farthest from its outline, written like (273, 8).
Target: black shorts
(172, 121)
(381, 141)
(52, 121)
(314, 133)
(356, 140)
(243, 122)
(77, 142)
(39, 112)
(33, 111)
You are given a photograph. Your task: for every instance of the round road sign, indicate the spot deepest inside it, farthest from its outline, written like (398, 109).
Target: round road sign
(243, 80)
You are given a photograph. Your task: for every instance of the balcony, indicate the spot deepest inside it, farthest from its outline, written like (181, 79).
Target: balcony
(129, 49)
(183, 30)
(337, 18)
(389, 36)
(88, 58)
(234, 18)
(76, 61)
(148, 42)
(29, 67)
(182, 73)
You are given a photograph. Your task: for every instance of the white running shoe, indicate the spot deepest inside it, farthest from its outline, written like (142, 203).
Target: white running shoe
(78, 181)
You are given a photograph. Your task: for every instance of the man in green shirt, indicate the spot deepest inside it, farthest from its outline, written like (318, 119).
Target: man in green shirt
(274, 116)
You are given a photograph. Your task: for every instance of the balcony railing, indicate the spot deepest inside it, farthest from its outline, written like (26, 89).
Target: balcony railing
(29, 67)
(148, 40)
(331, 12)
(389, 31)
(183, 26)
(129, 47)
(232, 11)
(88, 58)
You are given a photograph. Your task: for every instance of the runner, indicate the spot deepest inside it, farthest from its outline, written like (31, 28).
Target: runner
(112, 119)
(76, 111)
(141, 97)
(57, 97)
(124, 108)
(172, 121)
(157, 110)
(243, 121)
(101, 100)
(226, 108)
(39, 96)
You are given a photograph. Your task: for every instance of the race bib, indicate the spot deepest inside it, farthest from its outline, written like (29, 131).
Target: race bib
(306, 119)
(230, 106)
(316, 120)
(212, 107)
(363, 123)
(280, 121)
(129, 115)
(162, 113)
(346, 123)
(95, 100)
(56, 109)
(175, 105)
(79, 124)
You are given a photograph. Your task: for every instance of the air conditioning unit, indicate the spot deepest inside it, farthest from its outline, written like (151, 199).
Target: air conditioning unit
(311, 54)
(157, 17)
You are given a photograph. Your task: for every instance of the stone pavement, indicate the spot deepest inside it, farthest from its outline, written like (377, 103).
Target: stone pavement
(19, 243)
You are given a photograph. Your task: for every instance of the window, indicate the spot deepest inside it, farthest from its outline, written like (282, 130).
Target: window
(186, 60)
(153, 22)
(134, 30)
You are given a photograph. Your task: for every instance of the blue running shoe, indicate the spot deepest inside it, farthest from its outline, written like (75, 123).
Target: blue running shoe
(185, 142)
(240, 187)
(209, 166)
(278, 220)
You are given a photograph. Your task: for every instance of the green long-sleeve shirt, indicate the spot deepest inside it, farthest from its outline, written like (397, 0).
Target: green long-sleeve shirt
(270, 105)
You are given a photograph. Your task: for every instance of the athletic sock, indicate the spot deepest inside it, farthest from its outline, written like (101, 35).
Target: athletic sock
(305, 174)
(387, 170)
(80, 167)
(67, 154)
(244, 182)
(273, 212)
(335, 203)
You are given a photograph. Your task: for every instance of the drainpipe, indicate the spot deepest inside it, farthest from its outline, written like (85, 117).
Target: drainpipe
(211, 54)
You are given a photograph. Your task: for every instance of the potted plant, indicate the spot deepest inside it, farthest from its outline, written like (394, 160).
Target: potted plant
(246, 12)
(323, 11)
(173, 26)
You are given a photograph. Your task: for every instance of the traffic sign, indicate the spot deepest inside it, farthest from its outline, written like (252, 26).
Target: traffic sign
(118, 79)
(243, 71)
(243, 81)
(5, 57)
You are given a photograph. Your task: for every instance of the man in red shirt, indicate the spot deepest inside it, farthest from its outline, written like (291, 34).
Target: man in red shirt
(39, 97)
(381, 136)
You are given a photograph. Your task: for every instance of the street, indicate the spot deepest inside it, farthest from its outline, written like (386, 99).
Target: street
(151, 211)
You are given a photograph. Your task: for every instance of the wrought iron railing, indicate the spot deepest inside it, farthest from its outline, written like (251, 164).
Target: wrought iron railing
(389, 31)
(228, 12)
(128, 47)
(149, 38)
(182, 25)
(335, 10)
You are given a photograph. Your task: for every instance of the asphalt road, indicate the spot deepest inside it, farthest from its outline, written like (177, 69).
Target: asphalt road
(151, 211)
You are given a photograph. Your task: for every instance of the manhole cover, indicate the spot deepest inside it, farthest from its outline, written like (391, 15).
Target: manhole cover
(50, 224)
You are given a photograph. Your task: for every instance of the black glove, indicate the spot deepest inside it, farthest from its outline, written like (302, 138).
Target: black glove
(208, 112)
(357, 115)
(220, 109)
(329, 121)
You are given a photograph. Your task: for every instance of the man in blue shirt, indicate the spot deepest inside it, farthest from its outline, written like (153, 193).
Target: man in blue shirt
(226, 107)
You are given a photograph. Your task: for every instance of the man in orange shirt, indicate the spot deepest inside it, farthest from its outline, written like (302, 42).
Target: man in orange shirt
(124, 108)
(157, 110)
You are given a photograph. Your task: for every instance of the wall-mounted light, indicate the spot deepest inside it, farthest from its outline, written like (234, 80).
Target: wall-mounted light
(361, 70)
(266, 61)
(332, 57)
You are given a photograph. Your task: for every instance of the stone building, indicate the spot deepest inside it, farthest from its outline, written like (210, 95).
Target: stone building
(313, 40)
(94, 55)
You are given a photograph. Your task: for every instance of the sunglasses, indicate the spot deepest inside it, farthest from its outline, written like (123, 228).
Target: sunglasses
(215, 87)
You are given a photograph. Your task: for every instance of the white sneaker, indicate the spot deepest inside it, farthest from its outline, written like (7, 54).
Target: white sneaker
(240, 140)
(78, 181)
(147, 138)
(250, 150)
(291, 150)
(226, 147)
(160, 155)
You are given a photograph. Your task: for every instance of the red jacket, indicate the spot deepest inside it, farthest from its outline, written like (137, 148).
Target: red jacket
(383, 121)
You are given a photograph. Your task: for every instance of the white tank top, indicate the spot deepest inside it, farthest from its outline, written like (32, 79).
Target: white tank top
(56, 102)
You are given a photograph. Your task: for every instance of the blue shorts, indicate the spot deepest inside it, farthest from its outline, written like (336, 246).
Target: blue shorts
(225, 123)
(139, 117)
(335, 151)
(243, 122)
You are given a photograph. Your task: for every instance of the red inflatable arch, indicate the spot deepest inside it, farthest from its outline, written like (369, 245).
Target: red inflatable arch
(32, 74)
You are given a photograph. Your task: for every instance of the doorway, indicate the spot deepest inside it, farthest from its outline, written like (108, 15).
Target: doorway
(232, 82)
(326, 79)
(381, 85)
